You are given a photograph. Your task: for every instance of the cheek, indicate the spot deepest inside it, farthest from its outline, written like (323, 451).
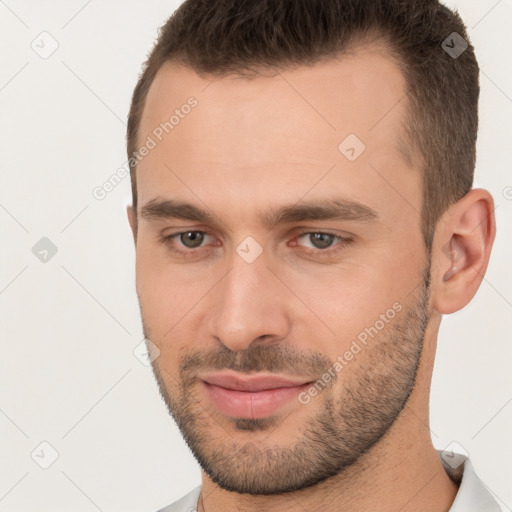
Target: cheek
(351, 299)
(156, 293)
(347, 305)
(169, 299)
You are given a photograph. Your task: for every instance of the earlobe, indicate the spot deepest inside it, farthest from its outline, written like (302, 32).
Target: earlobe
(132, 220)
(461, 252)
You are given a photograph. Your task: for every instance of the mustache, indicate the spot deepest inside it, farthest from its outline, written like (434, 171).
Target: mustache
(258, 358)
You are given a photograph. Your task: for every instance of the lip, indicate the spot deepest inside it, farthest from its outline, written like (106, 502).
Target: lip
(255, 396)
(251, 382)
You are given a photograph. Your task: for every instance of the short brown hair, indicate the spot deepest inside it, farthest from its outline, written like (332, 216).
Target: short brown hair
(222, 37)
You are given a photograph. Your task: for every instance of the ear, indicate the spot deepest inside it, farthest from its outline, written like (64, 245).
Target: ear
(132, 220)
(461, 250)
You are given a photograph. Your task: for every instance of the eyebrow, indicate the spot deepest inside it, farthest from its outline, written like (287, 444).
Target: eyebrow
(322, 209)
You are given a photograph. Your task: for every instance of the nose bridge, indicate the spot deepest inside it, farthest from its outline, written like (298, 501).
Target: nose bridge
(246, 304)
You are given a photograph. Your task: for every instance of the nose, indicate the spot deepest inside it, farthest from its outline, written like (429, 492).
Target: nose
(249, 305)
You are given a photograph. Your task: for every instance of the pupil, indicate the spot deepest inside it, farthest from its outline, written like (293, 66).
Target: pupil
(194, 237)
(324, 239)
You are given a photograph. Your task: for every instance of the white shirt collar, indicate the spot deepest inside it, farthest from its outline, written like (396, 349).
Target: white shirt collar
(472, 495)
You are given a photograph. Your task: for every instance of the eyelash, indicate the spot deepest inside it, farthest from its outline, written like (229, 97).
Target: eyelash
(344, 241)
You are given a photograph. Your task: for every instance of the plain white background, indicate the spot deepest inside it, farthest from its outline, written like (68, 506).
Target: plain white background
(69, 326)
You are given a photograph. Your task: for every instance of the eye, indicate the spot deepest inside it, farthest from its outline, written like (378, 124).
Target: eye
(191, 239)
(188, 240)
(323, 241)
(320, 240)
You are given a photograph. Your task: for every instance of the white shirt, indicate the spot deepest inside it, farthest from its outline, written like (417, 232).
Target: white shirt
(472, 495)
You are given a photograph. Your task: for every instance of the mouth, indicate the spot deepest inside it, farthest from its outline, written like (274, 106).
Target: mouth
(255, 396)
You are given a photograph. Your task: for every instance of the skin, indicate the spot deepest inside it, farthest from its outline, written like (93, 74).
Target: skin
(255, 144)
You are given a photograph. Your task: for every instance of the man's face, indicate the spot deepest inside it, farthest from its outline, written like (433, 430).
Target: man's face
(340, 302)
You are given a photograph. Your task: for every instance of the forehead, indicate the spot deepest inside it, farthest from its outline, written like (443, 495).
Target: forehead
(275, 131)
(351, 92)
